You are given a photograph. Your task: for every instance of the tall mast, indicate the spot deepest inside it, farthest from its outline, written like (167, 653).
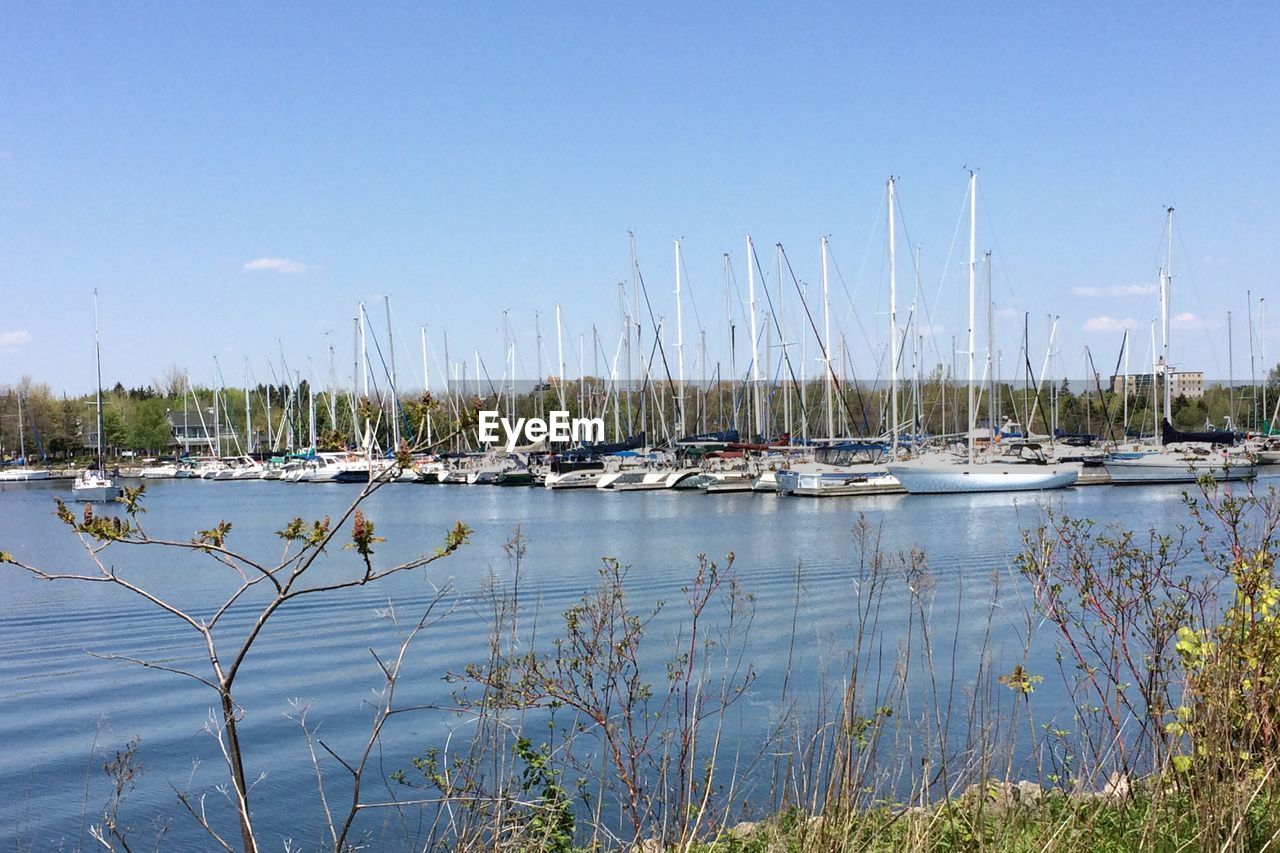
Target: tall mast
(1124, 385)
(395, 396)
(537, 336)
(22, 436)
(355, 371)
(248, 412)
(1262, 352)
(364, 356)
(733, 340)
(426, 373)
(1262, 359)
(991, 351)
(333, 386)
(973, 264)
(311, 405)
(784, 366)
(1253, 369)
(826, 341)
(1231, 387)
(97, 357)
(217, 393)
(893, 332)
(1166, 279)
(755, 354)
(679, 348)
(560, 361)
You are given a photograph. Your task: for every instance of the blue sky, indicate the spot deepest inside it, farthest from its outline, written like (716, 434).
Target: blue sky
(467, 158)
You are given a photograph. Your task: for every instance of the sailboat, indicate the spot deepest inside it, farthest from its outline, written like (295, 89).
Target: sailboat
(94, 484)
(1024, 469)
(1182, 457)
(22, 474)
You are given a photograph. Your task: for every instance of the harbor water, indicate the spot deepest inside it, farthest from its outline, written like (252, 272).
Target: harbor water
(63, 710)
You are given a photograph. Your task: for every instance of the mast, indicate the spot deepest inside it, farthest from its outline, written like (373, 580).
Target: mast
(537, 337)
(785, 364)
(97, 357)
(991, 353)
(248, 412)
(755, 350)
(1166, 276)
(917, 358)
(426, 382)
(560, 361)
(1262, 352)
(893, 332)
(1253, 370)
(733, 340)
(22, 438)
(1124, 385)
(973, 264)
(1231, 386)
(364, 355)
(679, 348)
(826, 341)
(395, 398)
(311, 405)
(217, 423)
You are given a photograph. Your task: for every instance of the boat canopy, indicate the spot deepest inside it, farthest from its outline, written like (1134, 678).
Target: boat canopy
(1171, 435)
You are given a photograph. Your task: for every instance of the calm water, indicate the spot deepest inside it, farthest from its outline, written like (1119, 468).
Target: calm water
(55, 699)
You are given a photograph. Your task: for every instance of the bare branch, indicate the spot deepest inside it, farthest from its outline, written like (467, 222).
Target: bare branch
(152, 665)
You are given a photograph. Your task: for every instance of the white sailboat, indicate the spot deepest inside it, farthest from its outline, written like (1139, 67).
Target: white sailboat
(1175, 461)
(94, 484)
(1025, 470)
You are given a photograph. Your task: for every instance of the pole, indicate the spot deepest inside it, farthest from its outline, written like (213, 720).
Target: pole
(893, 332)
(973, 263)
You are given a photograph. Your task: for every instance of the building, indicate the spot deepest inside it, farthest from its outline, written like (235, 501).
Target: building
(1184, 383)
(191, 432)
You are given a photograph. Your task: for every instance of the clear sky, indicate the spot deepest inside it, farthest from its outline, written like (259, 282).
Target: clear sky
(235, 178)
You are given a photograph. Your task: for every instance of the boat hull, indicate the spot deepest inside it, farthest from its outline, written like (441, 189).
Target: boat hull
(1124, 472)
(23, 475)
(573, 480)
(939, 479)
(96, 494)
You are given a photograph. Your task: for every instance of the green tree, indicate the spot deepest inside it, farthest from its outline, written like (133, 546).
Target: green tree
(148, 428)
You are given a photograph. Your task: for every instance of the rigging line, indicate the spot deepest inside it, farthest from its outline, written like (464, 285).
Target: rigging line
(862, 268)
(946, 266)
(373, 377)
(856, 316)
(902, 343)
(657, 334)
(737, 291)
(822, 345)
(484, 368)
(773, 315)
(1195, 292)
(1102, 399)
(689, 287)
(915, 267)
(995, 240)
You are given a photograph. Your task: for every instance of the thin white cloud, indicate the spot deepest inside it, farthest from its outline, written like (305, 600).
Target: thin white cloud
(284, 266)
(1109, 324)
(1187, 320)
(1116, 290)
(15, 338)
(1008, 312)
